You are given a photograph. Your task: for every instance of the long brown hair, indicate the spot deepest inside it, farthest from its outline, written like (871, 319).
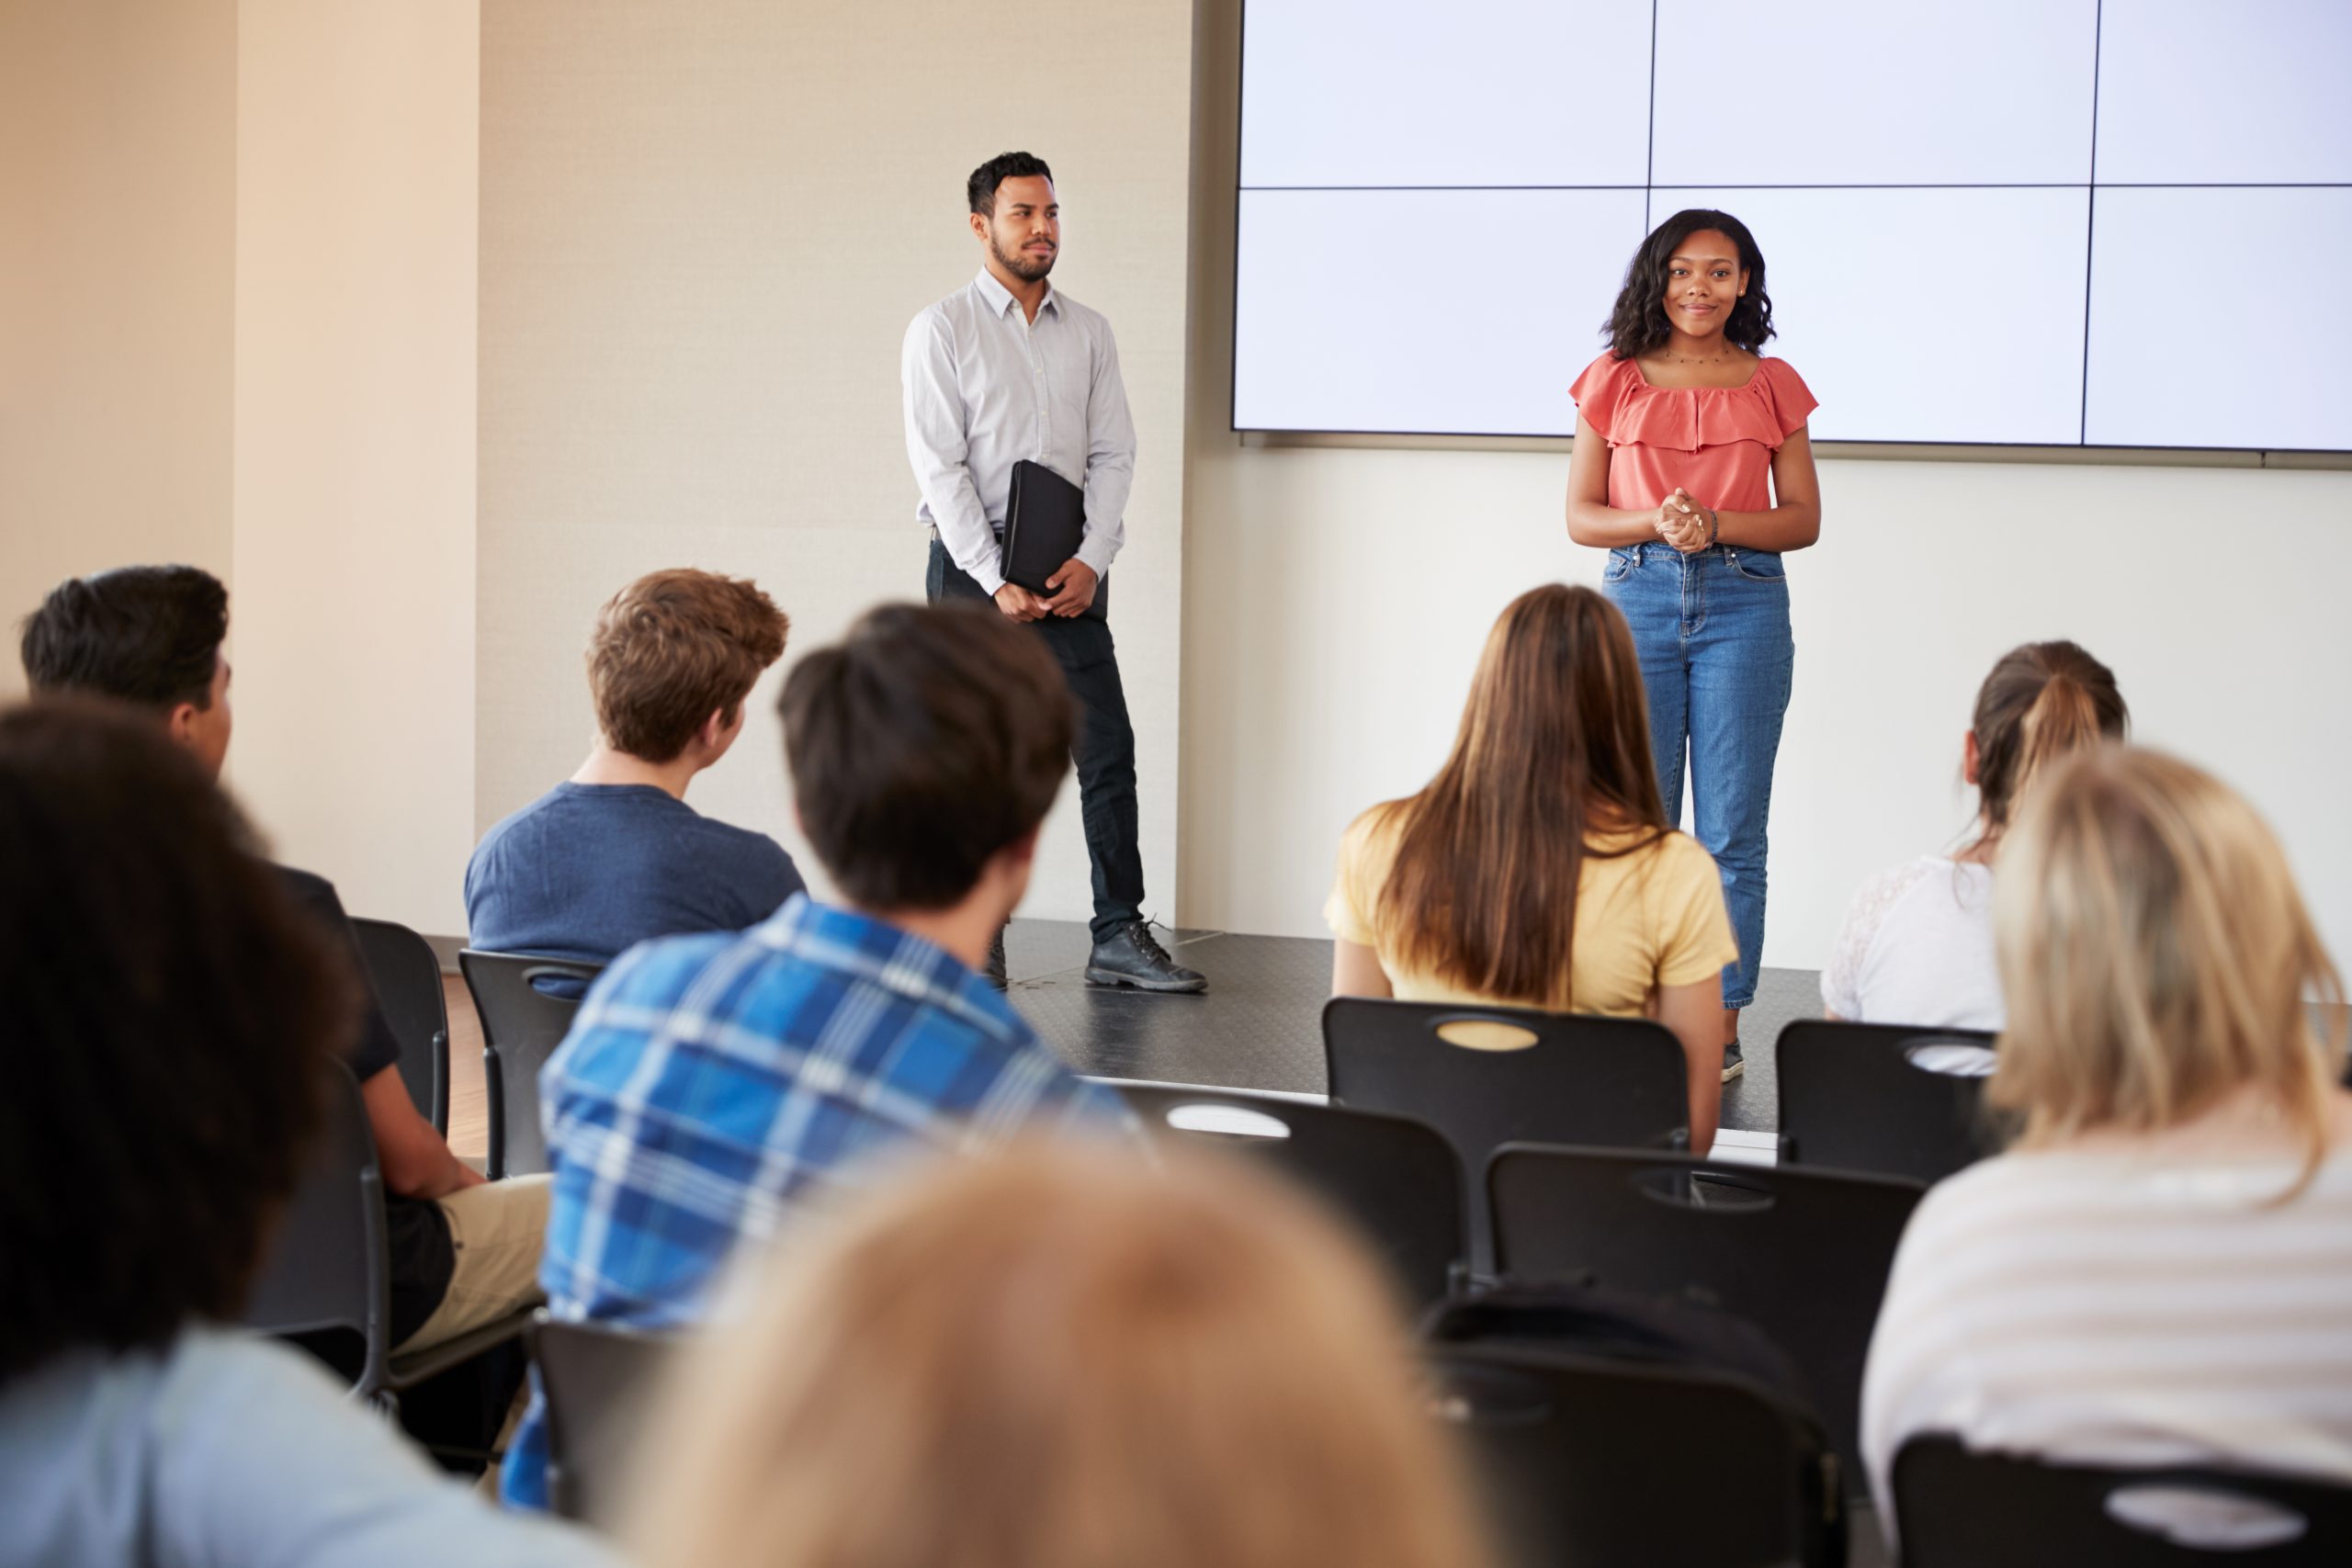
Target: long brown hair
(2042, 701)
(2155, 956)
(1554, 745)
(1062, 1358)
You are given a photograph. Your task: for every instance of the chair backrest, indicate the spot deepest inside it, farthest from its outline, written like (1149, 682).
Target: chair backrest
(1607, 1081)
(1954, 1507)
(596, 1378)
(1803, 1255)
(1586, 1460)
(1886, 1098)
(1396, 1177)
(407, 979)
(326, 1268)
(521, 1027)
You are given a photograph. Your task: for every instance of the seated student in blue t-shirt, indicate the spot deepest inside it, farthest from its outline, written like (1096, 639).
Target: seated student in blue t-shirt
(613, 855)
(713, 1085)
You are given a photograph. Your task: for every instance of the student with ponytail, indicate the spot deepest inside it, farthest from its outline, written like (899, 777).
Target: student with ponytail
(1917, 942)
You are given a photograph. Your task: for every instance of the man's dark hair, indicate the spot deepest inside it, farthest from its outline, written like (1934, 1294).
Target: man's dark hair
(141, 634)
(981, 186)
(167, 1007)
(1637, 322)
(923, 742)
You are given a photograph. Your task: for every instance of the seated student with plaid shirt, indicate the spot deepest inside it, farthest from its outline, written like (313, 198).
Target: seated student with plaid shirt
(712, 1082)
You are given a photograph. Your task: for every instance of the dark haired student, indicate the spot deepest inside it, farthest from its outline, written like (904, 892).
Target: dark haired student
(463, 1250)
(168, 1000)
(1692, 468)
(1009, 369)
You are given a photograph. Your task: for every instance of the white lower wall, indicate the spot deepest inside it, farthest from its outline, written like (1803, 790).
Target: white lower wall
(1340, 598)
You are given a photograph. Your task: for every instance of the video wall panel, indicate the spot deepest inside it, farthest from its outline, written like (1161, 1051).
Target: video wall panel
(2019, 221)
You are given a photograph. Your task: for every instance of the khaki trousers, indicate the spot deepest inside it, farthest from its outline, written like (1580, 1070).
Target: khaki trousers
(496, 1230)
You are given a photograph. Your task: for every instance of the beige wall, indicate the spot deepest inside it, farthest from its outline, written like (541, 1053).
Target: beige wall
(355, 215)
(1352, 590)
(117, 180)
(704, 227)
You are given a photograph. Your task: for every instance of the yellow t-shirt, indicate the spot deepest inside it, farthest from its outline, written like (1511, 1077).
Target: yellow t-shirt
(1651, 918)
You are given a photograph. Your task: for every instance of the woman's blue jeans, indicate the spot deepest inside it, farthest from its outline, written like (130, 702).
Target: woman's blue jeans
(1717, 657)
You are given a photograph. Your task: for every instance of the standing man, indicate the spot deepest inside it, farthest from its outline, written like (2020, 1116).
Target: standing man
(1007, 368)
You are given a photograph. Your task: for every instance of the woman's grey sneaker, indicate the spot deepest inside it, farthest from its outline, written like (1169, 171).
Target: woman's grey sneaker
(1133, 956)
(1734, 1063)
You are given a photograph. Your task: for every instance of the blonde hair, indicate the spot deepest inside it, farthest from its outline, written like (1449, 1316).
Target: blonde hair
(1059, 1358)
(2155, 956)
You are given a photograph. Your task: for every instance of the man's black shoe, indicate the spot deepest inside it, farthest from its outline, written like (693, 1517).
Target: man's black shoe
(1133, 956)
(994, 973)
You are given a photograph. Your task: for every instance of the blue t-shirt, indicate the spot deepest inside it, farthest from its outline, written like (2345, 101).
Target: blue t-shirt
(587, 872)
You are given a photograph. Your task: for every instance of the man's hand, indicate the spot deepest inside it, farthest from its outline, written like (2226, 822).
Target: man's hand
(1019, 603)
(1074, 586)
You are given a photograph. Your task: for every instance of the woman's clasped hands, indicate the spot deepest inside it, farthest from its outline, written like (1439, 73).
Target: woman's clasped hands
(1684, 524)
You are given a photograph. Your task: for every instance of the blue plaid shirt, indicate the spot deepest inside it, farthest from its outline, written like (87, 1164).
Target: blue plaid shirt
(711, 1083)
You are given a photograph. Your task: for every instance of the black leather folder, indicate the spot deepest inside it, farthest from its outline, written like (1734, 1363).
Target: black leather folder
(1044, 522)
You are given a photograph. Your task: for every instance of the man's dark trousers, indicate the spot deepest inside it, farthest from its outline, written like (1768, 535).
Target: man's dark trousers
(1105, 751)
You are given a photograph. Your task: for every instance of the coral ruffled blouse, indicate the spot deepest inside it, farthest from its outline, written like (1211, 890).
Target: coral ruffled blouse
(1715, 442)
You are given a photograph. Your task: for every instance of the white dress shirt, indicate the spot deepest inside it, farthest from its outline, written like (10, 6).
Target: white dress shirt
(985, 387)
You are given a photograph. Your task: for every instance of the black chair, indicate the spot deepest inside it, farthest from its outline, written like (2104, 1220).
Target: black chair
(1958, 1510)
(521, 1027)
(1606, 1081)
(407, 980)
(1588, 1461)
(595, 1378)
(1396, 1177)
(326, 1271)
(1803, 1255)
(1873, 1097)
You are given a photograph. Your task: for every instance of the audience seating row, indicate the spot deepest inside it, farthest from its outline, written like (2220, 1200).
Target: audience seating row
(1801, 1250)
(1580, 1459)
(1879, 1097)
(1608, 1082)
(1801, 1254)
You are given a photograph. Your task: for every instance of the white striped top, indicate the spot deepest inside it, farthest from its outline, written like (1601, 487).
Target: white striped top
(2125, 1302)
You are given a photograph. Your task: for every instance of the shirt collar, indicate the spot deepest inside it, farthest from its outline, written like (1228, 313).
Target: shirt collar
(1001, 300)
(895, 959)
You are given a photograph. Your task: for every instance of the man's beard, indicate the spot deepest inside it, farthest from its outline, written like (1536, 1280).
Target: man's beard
(1024, 267)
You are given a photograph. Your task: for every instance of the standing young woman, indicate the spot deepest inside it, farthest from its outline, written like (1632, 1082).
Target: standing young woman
(1693, 470)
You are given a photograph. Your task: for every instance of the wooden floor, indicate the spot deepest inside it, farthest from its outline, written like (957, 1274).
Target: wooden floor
(468, 1108)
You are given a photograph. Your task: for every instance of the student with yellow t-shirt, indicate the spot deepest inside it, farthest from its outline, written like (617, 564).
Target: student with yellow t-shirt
(1537, 869)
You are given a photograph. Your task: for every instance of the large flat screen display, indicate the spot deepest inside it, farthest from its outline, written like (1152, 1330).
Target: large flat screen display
(2034, 222)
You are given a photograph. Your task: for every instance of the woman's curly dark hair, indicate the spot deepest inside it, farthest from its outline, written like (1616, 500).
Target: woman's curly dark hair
(166, 1007)
(1638, 324)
